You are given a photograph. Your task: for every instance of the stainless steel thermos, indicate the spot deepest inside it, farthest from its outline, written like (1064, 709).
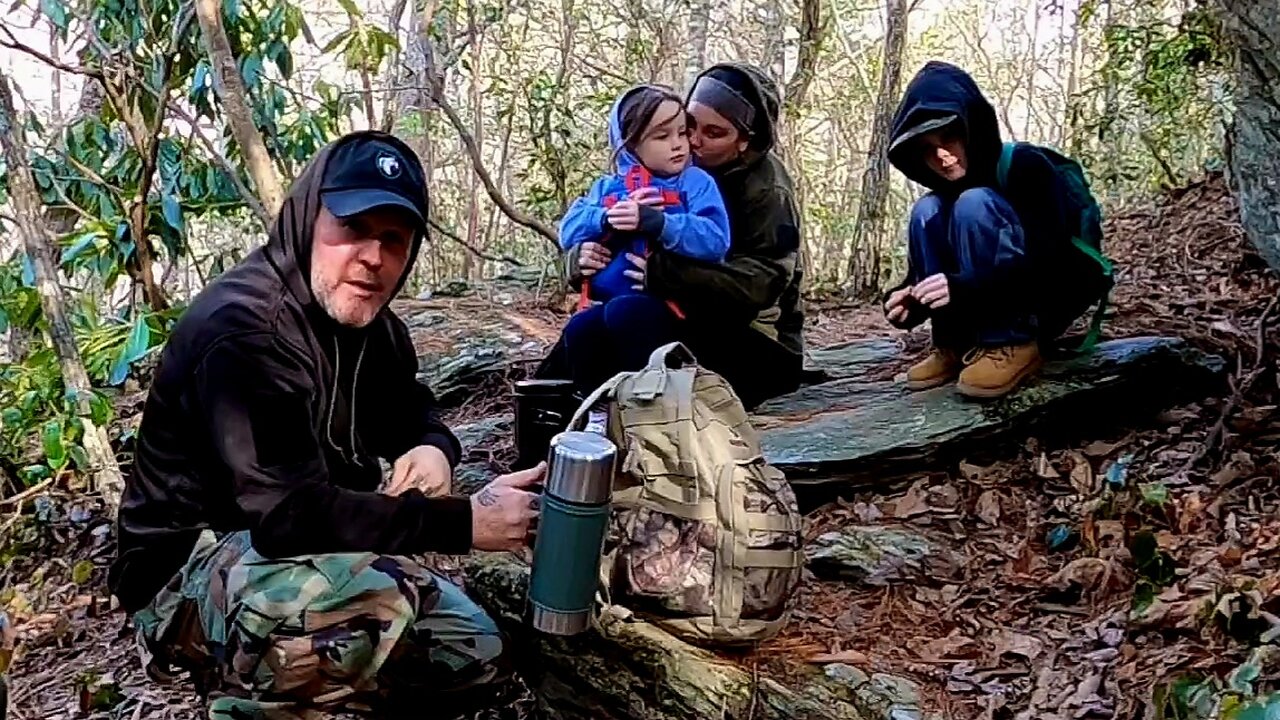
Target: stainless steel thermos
(571, 532)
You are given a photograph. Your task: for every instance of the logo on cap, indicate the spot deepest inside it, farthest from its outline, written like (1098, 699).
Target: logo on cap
(388, 165)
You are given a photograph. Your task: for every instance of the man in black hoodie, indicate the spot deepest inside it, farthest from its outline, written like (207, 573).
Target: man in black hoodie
(986, 265)
(256, 546)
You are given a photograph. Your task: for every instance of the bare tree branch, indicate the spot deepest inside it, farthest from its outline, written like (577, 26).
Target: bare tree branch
(250, 199)
(477, 162)
(469, 247)
(14, 44)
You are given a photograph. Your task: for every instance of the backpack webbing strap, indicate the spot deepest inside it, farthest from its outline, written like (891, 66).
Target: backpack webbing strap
(1002, 167)
(579, 419)
(1095, 325)
(775, 558)
(730, 576)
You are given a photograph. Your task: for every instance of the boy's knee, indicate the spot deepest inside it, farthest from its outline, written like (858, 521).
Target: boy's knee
(926, 209)
(979, 205)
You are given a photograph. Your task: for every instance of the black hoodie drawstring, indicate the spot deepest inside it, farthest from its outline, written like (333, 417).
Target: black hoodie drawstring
(353, 457)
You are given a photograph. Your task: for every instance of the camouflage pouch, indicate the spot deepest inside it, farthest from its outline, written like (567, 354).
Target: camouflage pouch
(705, 536)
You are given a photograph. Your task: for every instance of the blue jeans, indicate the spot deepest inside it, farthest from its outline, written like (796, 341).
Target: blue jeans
(616, 336)
(976, 236)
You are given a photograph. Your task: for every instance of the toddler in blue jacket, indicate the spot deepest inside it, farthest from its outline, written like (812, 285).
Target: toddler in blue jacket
(649, 135)
(618, 324)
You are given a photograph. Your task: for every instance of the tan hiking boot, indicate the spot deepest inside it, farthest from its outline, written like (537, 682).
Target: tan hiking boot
(940, 368)
(993, 372)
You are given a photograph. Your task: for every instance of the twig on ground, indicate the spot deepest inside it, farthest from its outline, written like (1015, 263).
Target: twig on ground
(1240, 386)
(29, 492)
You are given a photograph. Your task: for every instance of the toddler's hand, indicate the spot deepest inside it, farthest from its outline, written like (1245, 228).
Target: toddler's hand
(624, 216)
(647, 195)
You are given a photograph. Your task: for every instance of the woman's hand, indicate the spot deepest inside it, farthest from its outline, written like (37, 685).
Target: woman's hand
(637, 275)
(592, 258)
(896, 306)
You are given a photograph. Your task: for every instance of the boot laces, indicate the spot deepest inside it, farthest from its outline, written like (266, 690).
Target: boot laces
(999, 355)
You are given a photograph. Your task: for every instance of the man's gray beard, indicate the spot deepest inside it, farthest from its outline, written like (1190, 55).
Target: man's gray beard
(324, 296)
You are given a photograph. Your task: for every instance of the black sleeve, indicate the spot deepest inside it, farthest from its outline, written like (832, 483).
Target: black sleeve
(408, 418)
(253, 394)
(916, 312)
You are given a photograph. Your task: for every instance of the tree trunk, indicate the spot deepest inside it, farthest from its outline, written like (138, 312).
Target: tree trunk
(1255, 135)
(864, 260)
(696, 58)
(813, 32)
(39, 244)
(473, 268)
(230, 88)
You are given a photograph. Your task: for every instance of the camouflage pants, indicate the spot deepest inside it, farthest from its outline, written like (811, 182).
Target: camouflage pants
(304, 637)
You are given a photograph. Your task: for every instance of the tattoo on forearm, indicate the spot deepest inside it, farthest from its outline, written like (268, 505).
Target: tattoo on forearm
(487, 498)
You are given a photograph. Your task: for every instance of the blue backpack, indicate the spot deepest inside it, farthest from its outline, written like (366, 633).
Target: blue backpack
(1087, 238)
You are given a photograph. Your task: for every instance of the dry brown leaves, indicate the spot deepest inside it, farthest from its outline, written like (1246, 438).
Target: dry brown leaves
(1036, 634)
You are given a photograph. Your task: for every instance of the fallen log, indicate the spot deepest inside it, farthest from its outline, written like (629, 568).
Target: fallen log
(631, 670)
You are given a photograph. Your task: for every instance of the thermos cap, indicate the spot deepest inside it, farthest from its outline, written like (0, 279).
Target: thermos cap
(581, 467)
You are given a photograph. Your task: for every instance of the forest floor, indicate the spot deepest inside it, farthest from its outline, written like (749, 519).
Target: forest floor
(1165, 557)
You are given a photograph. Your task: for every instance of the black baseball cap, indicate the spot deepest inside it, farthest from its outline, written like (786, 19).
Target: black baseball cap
(370, 172)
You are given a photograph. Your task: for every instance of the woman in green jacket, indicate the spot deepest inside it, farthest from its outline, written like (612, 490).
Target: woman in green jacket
(742, 318)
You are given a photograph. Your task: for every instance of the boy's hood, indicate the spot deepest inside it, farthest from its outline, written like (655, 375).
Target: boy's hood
(940, 94)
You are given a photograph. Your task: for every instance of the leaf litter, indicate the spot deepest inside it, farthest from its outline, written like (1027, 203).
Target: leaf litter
(1105, 577)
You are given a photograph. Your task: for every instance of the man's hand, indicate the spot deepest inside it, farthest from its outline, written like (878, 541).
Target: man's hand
(637, 275)
(624, 215)
(592, 258)
(933, 291)
(896, 306)
(425, 468)
(502, 511)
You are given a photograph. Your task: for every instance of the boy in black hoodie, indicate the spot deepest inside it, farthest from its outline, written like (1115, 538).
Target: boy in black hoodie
(984, 263)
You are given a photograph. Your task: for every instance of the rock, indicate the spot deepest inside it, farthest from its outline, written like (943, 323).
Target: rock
(880, 556)
(454, 287)
(452, 376)
(856, 431)
(527, 277)
(634, 671)
(853, 359)
(477, 341)
(884, 696)
(482, 442)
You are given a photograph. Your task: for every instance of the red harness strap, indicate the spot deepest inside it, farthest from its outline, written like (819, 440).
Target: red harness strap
(637, 176)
